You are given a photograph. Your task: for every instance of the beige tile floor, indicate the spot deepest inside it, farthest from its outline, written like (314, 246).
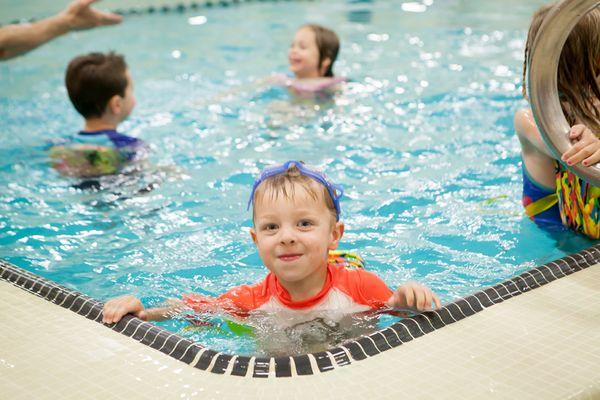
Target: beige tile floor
(544, 344)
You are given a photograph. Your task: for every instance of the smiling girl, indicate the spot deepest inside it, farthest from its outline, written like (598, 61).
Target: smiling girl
(311, 57)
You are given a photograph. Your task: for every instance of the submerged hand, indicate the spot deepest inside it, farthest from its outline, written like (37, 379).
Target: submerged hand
(414, 295)
(80, 15)
(116, 309)
(586, 147)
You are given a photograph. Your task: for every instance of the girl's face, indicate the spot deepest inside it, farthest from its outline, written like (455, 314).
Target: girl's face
(303, 54)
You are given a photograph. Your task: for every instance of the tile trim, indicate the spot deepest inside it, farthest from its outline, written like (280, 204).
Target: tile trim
(406, 330)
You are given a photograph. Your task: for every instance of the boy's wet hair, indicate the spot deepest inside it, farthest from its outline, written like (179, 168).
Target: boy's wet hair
(285, 185)
(578, 67)
(93, 79)
(328, 44)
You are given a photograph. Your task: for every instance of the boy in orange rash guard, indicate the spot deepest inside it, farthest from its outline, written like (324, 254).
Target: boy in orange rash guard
(296, 222)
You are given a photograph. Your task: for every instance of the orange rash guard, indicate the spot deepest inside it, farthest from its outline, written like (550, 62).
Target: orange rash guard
(350, 290)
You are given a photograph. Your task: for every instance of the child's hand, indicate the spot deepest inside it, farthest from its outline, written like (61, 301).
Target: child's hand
(414, 295)
(586, 148)
(116, 309)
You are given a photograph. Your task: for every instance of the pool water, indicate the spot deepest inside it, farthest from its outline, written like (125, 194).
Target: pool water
(421, 138)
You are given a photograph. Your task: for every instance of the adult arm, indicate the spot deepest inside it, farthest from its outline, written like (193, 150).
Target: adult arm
(18, 39)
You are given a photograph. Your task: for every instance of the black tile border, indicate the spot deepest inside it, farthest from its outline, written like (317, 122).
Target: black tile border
(175, 8)
(350, 352)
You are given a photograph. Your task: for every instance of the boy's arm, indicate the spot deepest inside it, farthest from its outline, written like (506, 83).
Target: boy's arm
(374, 292)
(415, 296)
(116, 309)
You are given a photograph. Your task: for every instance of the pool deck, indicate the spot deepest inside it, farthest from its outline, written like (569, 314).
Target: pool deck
(542, 344)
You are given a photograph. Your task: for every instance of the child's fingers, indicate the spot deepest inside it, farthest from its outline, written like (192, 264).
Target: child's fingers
(578, 153)
(115, 309)
(581, 155)
(409, 297)
(106, 316)
(593, 159)
(428, 297)
(420, 298)
(142, 315)
(107, 312)
(110, 315)
(576, 131)
(436, 299)
(577, 147)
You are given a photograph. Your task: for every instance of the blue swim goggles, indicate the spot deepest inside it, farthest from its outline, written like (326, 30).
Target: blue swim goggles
(335, 191)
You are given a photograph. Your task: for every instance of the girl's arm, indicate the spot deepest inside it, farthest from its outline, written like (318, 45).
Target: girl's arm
(529, 135)
(539, 161)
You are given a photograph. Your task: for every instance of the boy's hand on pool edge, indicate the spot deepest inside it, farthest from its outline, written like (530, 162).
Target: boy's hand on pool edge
(116, 309)
(414, 295)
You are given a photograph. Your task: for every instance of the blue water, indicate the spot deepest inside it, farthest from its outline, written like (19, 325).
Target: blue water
(421, 139)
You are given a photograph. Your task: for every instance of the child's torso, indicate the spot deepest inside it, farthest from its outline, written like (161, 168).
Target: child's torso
(130, 148)
(345, 291)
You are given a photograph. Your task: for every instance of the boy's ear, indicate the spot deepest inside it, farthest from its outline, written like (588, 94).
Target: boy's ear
(253, 235)
(325, 63)
(114, 104)
(336, 235)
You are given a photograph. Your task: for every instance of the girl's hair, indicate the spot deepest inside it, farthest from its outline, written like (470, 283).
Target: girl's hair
(286, 184)
(578, 68)
(328, 44)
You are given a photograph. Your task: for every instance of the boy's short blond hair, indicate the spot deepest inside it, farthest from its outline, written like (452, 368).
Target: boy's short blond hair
(285, 185)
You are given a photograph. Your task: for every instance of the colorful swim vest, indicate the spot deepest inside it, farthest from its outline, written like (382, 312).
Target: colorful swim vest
(96, 153)
(578, 203)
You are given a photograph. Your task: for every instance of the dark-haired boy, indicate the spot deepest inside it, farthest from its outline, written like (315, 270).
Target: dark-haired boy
(101, 90)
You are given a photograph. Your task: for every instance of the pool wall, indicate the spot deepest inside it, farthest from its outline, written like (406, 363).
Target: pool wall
(353, 351)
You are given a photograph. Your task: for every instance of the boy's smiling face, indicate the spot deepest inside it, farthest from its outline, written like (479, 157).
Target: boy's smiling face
(293, 235)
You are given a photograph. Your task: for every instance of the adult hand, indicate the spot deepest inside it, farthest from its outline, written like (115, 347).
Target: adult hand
(18, 39)
(79, 15)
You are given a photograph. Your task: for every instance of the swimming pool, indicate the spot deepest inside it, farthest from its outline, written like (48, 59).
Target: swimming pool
(421, 139)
